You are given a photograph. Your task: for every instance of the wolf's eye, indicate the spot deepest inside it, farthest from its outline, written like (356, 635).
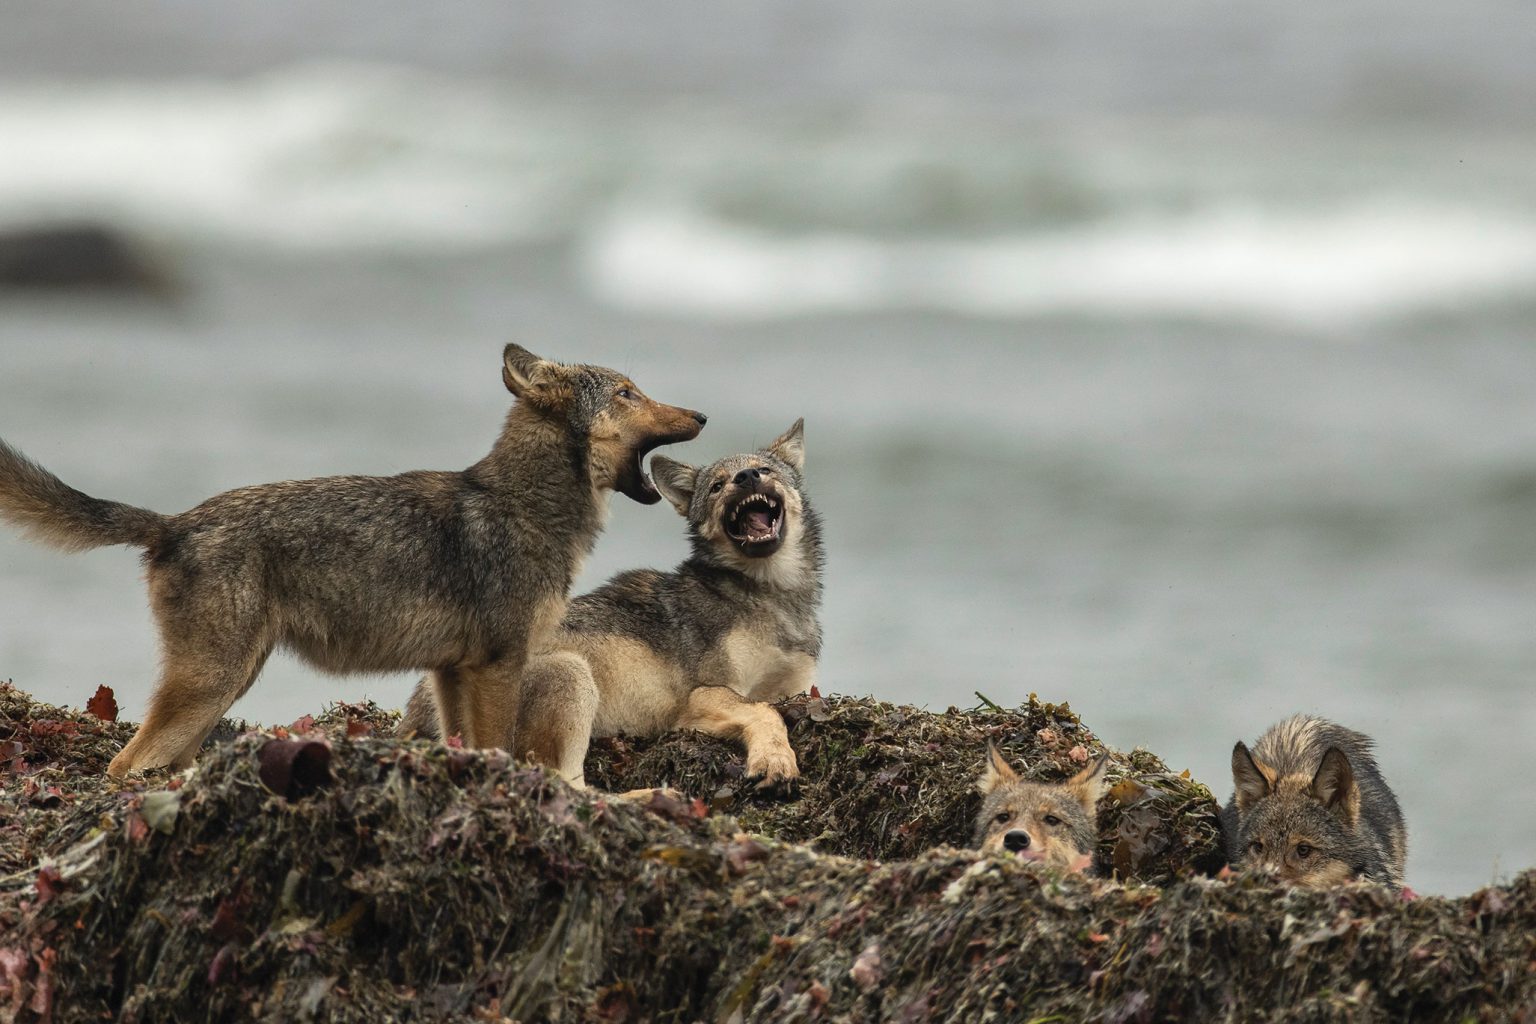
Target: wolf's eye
(1255, 847)
(1303, 851)
(1003, 817)
(625, 393)
(1052, 820)
(714, 488)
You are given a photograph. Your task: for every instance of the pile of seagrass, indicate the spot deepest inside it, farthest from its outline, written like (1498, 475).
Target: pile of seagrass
(322, 872)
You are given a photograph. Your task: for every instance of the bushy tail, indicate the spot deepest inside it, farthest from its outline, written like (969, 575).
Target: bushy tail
(51, 511)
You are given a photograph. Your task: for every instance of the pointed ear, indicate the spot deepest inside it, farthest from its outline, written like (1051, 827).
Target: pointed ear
(999, 772)
(1334, 786)
(1251, 781)
(675, 480)
(533, 380)
(789, 447)
(518, 367)
(1088, 784)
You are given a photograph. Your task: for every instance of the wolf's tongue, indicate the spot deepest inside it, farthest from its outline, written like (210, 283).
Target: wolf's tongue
(758, 524)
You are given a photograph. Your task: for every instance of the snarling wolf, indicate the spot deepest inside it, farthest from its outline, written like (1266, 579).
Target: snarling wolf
(1051, 822)
(456, 573)
(1310, 805)
(702, 647)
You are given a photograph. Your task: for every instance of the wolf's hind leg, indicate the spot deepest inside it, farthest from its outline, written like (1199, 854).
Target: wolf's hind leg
(721, 711)
(214, 638)
(556, 712)
(193, 694)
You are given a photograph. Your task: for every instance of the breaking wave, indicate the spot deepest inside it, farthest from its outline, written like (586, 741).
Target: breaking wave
(332, 157)
(695, 210)
(1369, 261)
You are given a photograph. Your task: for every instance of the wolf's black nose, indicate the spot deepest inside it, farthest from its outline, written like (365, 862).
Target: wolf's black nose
(747, 474)
(1015, 841)
(701, 418)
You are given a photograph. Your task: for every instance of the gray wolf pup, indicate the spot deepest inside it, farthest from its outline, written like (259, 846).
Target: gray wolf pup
(459, 573)
(702, 647)
(1050, 822)
(1309, 804)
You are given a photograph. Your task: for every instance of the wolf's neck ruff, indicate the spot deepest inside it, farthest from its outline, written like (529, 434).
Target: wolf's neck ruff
(542, 470)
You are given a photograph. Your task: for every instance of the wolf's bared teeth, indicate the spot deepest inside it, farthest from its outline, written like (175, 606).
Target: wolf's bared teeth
(756, 520)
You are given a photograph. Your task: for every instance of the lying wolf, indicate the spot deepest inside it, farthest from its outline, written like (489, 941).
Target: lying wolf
(1309, 804)
(1051, 822)
(703, 647)
(459, 573)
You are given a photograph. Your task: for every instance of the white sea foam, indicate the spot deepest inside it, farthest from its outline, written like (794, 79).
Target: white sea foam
(321, 157)
(1368, 260)
(734, 219)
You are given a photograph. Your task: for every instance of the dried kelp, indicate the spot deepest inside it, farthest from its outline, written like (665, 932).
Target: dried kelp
(410, 881)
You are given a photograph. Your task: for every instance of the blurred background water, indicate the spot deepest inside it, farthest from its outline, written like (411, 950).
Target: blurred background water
(1175, 360)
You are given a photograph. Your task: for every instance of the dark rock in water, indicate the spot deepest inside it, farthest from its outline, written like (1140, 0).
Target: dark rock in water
(74, 256)
(434, 884)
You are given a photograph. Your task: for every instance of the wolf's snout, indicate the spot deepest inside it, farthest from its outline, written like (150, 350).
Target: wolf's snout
(741, 478)
(683, 424)
(1016, 841)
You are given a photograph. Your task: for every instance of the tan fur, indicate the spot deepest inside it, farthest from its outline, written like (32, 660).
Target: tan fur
(556, 703)
(636, 690)
(485, 698)
(1057, 819)
(1330, 874)
(640, 691)
(721, 711)
(759, 669)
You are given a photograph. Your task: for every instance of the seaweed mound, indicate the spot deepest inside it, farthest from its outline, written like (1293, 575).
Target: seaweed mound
(322, 873)
(883, 782)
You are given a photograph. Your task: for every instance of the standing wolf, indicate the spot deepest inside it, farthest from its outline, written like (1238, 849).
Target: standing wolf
(458, 573)
(1309, 803)
(702, 647)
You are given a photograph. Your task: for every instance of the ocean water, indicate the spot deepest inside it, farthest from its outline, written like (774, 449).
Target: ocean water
(1176, 363)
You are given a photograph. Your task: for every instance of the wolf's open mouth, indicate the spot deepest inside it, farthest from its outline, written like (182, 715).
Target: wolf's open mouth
(756, 519)
(633, 480)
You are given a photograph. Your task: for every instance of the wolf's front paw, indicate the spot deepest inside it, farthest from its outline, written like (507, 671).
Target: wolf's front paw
(773, 770)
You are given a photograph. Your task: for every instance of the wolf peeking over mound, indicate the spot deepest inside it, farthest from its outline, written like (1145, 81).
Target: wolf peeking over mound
(702, 647)
(1309, 804)
(1051, 822)
(458, 573)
